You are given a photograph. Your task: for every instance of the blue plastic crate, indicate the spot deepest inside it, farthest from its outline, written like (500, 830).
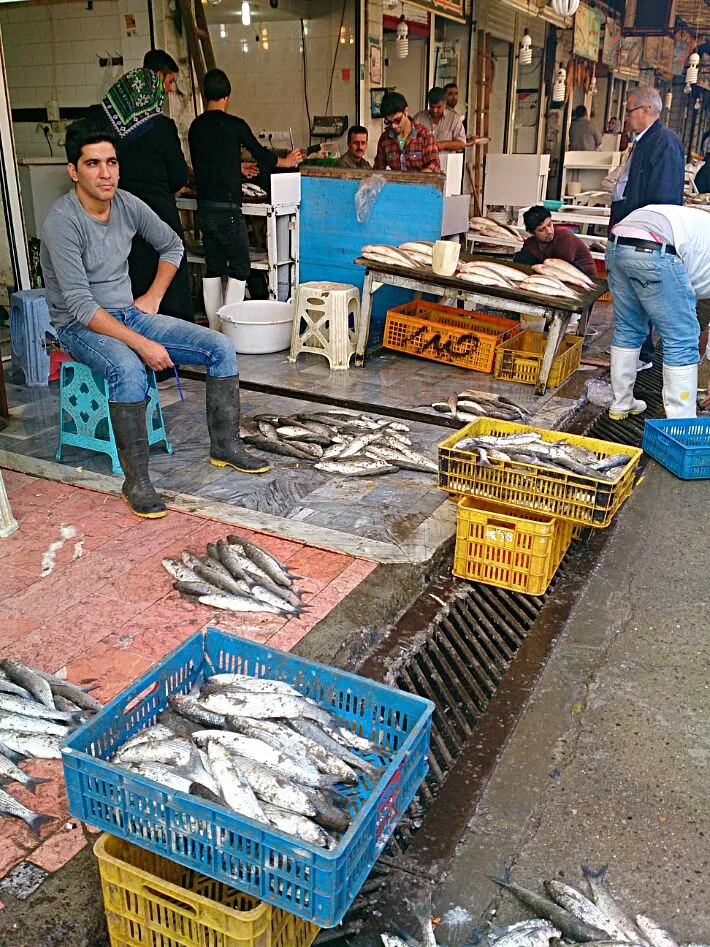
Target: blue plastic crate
(310, 882)
(30, 328)
(682, 445)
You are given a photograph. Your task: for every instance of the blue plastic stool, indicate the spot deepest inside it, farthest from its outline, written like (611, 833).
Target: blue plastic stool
(29, 328)
(84, 419)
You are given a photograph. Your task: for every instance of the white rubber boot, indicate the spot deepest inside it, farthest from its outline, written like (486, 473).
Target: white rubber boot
(235, 292)
(213, 300)
(680, 389)
(624, 364)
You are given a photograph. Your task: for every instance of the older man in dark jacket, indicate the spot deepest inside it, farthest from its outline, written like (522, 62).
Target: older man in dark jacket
(654, 174)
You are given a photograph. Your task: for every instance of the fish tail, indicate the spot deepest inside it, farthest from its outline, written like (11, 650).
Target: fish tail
(32, 782)
(598, 875)
(78, 716)
(38, 820)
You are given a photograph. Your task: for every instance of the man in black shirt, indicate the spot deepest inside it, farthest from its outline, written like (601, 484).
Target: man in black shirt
(216, 142)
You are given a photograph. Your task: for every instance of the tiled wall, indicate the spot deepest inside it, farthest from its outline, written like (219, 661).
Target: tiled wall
(52, 52)
(267, 84)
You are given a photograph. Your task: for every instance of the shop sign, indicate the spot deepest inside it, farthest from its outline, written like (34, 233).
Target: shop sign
(683, 45)
(612, 43)
(587, 32)
(630, 54)
(658, 55)
(451, 8)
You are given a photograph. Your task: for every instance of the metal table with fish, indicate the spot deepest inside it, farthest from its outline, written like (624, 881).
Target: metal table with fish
(480, 287)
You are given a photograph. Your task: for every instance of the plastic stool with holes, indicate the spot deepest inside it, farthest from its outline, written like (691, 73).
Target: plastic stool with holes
(29, 329)
(84, 419)
(331, 313)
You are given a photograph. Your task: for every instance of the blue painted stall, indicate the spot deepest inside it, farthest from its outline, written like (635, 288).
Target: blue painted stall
(409, 207)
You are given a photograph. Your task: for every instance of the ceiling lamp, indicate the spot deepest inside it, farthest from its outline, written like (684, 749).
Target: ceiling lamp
(593, 84)
(668, 101)
(401, 44)
(559, 87)
(246, 14)
(691, 74)
(565, 7)
(526, 48)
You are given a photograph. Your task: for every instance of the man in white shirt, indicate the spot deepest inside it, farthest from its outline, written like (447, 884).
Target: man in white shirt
(658, 266)
(443, 122)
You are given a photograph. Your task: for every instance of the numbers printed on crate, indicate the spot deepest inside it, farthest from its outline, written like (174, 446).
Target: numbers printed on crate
(496, 534)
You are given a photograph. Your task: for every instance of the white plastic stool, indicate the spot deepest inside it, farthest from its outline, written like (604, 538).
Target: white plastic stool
(331, 313)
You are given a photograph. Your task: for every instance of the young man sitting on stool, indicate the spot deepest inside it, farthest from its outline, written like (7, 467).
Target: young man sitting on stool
(547, 241)
(86, 239)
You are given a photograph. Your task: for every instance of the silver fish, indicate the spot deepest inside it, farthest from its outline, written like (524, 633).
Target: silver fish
(269, 564)
(268, 430)
(604, 901)
(576, 903)
(189, 707)
(11, 755)
(26, 677)
(19, 723)
(356, 468)
(275, 599)
(536, 933)
(9, 770)
(348, 738)
(298, 825)
(273, 788)
(160, 773)
(195, 589)
(275, 447)
(219, 576)
(9, 687)
(614, 460)
(176, 752)
(240, 603)
(233, 784)
(11, 704)
(263, 705)
(155, 733)
(653, 933)
(230, 561)
(570, 925)
(10, 806)
(308, 729)
(391, 456)
(179, 571)
(76, 695)
(359, 443)
(42, 746)
(256, 685)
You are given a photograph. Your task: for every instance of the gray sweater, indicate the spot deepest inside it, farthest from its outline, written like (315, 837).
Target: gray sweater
(85, 262)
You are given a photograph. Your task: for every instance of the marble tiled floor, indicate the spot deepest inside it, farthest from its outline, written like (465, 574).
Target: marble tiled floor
(107, 612)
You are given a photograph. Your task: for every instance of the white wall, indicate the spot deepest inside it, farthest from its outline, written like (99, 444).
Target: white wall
(268, 84)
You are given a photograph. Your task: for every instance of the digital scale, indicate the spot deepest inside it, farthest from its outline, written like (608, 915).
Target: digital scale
(328, 126)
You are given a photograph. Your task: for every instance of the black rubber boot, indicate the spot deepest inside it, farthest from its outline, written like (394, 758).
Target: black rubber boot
(226, 447)
(129, 429)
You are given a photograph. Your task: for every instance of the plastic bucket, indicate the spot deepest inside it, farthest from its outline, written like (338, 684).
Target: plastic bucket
(258, 326)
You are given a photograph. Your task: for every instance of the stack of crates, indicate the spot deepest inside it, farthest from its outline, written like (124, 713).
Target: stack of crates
(515, 521)
(183, 871)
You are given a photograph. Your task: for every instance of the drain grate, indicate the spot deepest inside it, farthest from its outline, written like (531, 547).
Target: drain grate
(649, 387)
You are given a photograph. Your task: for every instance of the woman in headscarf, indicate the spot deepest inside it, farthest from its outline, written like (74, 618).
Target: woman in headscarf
(152, 166)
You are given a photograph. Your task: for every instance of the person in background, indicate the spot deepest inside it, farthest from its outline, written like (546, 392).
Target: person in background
(654, 174)
(702, 178)
(452, 100)
(547, 241)
(354, 157)
(216, 141)
(626, 135)
(86, 239)
(658, 265)
(612, 126)
(153, 166)
(404, 145)
(443, 122)
(583, 134)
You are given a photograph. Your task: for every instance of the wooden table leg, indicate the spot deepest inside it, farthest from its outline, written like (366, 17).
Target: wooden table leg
(556, 332)
(584, 320)
(369, 286)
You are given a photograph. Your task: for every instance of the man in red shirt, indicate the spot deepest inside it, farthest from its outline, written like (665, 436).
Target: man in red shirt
(548, 241)
(405, 145)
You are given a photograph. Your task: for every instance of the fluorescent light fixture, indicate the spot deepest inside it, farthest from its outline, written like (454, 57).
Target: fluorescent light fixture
(246, 13)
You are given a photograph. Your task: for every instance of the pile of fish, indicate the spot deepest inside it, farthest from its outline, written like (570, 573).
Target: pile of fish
(252, 192)
(569, 914)
(408, 255)
(487, 227)
(37, 711)
(262, 749)
(490, 273)
(341, 441)
(469, 405)
(528, 447)
(238, 576)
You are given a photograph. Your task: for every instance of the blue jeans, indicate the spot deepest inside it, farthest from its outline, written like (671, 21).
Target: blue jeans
(652, 286)
(187, 344)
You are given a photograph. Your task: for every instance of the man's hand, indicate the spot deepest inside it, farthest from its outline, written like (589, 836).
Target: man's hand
(250, 169)
(293, 158)
(706, 403)
(154, 355)
(148, 303)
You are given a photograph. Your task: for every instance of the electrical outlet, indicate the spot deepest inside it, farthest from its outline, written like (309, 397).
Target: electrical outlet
(274, 136)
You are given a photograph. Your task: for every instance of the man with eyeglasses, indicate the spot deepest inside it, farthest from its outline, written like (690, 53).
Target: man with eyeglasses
(654, 174)
(405, 145)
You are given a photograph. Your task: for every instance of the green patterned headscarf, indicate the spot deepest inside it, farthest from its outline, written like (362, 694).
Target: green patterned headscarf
(133, 101)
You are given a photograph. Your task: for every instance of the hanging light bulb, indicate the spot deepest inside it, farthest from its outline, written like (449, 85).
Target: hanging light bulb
(593, 84)
(668, 101)
(559, 88)
(691, 73)
(526, 48)
(222, 31)
(401, 44)
(246, 13)
(565, 7)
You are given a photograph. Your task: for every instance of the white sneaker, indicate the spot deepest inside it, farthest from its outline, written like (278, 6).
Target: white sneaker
(642, 366)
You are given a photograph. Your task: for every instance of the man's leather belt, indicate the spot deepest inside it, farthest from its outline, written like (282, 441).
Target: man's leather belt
(645, 244)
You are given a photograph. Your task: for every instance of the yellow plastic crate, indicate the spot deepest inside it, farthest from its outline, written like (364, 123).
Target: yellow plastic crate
(520, 359)
(447, 335)
(506, 548)
(587, 501)
(153, 902)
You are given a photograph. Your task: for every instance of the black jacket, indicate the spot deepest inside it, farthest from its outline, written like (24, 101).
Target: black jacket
(656, 174)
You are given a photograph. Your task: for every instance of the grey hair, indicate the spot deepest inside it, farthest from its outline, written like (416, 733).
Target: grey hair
(647, 95)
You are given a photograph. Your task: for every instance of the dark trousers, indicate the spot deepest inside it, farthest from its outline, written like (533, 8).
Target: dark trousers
(225, 239)
(142, 266)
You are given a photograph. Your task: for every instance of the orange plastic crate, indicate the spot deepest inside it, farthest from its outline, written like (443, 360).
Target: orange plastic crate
(507, 548)
(520, 358)
(448, 335)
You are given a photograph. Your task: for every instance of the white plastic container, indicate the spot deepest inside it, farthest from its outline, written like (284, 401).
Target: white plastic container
(258, 326)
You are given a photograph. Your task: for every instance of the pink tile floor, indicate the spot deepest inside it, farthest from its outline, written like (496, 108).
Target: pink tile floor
(107, 612)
